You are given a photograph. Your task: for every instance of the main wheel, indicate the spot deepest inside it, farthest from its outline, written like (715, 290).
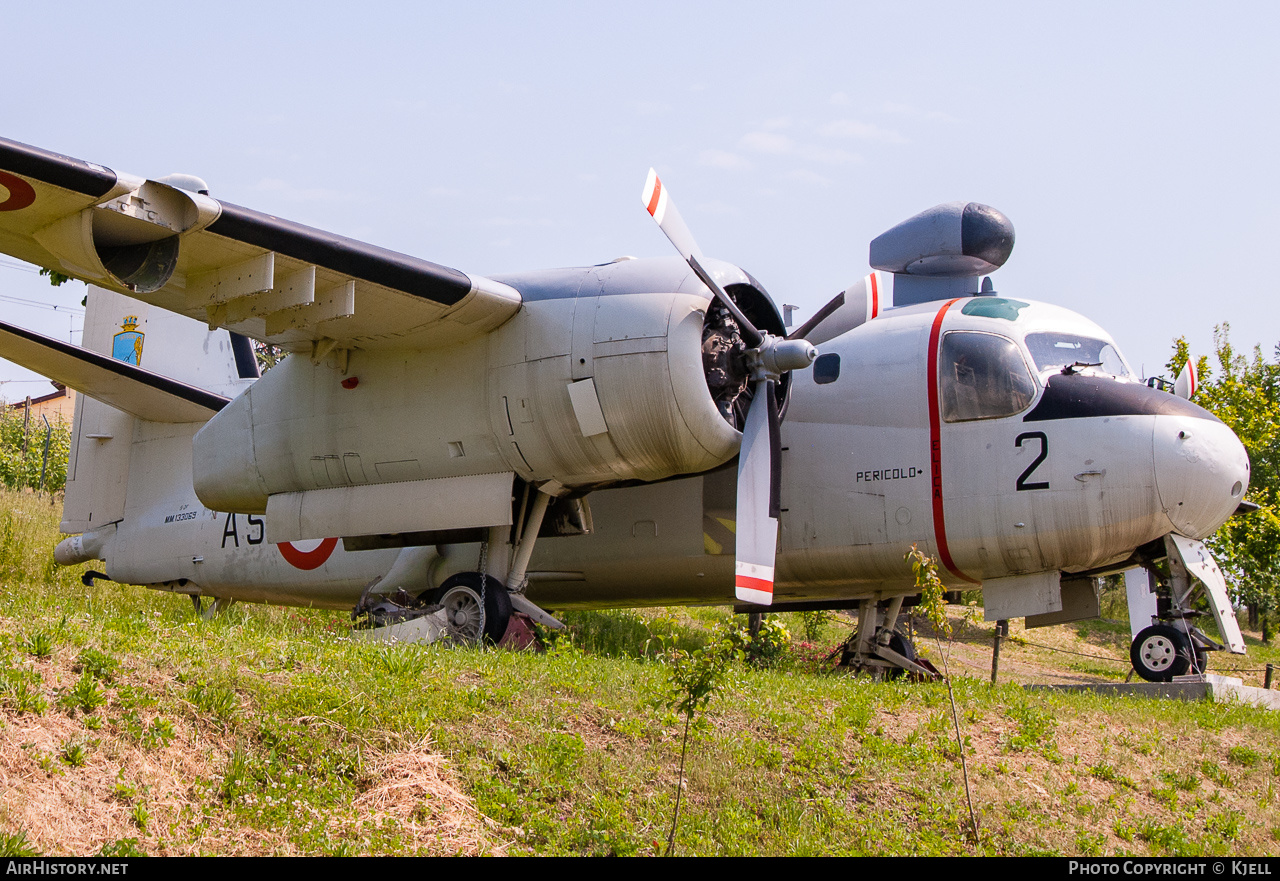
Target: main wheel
(904, 647)
(1160, 652)
(460, 596)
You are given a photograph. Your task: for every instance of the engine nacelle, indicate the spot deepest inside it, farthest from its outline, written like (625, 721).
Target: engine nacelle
(131, 238)
(598, 380)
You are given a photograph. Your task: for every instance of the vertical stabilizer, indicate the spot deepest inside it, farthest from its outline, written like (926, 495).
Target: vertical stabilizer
(158, 340)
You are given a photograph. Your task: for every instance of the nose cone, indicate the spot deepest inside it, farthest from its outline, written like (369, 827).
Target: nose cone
(1202, 472)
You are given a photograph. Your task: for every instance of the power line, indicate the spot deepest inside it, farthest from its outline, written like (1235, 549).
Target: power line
(21, 267)
(71, 310)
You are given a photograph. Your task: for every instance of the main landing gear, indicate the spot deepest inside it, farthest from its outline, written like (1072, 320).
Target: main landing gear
(476, 608)
(878, 648)
(468, 607)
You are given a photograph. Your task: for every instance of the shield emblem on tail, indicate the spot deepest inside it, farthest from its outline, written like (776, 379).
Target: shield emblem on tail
(127, 346)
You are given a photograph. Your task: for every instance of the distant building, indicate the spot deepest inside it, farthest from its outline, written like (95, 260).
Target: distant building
(61, 403)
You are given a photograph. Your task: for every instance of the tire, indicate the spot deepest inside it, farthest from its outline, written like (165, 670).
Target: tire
(904, 647)
(1161, 652)
(1202, 661)
(897, 642)
(460, 595)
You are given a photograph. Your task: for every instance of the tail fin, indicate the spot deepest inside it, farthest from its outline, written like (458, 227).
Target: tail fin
(161, 342)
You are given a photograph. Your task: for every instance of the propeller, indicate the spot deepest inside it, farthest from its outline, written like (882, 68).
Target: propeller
(1185, 385)
(760, 460)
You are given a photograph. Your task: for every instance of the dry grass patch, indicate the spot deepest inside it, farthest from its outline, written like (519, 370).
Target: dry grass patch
(416, 790)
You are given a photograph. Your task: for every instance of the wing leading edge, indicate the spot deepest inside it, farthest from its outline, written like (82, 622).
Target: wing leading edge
(268, 278)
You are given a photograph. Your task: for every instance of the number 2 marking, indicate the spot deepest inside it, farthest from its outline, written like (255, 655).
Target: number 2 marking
(1044, 453)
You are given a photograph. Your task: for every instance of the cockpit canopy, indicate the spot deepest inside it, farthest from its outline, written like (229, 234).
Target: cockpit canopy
(1054, 350)
(984, 375)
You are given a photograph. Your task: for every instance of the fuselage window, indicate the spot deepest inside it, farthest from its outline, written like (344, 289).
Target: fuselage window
(826, 369)
(1050, 350)
(982, 376)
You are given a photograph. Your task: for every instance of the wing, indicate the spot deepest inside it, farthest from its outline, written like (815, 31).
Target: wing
(171, 245)
(138, 392)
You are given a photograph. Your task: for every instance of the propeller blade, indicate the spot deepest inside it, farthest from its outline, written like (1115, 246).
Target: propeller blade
(802, 332)
(759, 498)
(1185, 385)
(662, 208)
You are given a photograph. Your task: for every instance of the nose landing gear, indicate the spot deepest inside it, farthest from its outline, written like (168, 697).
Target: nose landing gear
(1166, 641)
(1162, 651)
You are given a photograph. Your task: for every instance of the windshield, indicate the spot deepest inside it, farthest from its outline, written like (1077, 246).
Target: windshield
(1051, 350)
(982, 376)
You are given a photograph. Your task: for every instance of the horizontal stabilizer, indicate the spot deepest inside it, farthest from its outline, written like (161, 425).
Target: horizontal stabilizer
(138, 392)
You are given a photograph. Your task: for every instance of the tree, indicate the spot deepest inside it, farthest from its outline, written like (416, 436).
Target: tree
(1245, 394)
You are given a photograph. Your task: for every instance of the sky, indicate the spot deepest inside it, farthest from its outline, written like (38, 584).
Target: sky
(1133, 145)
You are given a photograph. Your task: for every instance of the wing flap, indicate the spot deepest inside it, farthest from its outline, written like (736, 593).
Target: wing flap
(139, 392)
(259, 275)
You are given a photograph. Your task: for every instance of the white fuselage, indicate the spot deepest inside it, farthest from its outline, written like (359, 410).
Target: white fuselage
(1074, 479)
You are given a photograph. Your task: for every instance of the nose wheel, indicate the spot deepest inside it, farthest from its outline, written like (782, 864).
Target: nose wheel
(1177, 578)
(1161, 652)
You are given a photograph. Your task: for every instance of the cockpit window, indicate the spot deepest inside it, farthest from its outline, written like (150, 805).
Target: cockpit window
(1051, 350)
(982, 376)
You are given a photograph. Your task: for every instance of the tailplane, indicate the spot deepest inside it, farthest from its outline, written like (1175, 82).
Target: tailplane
(140, 367)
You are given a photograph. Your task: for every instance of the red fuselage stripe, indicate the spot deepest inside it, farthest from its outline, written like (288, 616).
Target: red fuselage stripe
(875, 296)
(935, 449)
(653, 200)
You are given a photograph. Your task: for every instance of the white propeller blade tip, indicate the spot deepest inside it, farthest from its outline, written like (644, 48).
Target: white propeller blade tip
(654, 197)
(754, 583)
(1185, 385)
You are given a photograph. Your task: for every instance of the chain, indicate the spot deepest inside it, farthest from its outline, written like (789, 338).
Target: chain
(484, 582)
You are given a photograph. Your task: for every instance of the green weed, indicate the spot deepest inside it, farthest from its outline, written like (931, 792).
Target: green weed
(1215, 772)
(403, 662)
(124, 847)
(1089, 844)
(1036, 726)
(1185, 782)
(214, 699)
(1225, 825)
(1107, 772)
(16, 844)
(99, 665)
(27, 696)
(1169, 839)
(140, 816)
(767, 647)
(1244, 756)
(75, 753)
(85, 695)
(157, 734)
(39, 644)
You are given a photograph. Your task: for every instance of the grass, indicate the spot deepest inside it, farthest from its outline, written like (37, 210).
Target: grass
(269, 731)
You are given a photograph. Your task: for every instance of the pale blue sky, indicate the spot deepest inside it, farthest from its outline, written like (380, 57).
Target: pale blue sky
(1131, 144)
